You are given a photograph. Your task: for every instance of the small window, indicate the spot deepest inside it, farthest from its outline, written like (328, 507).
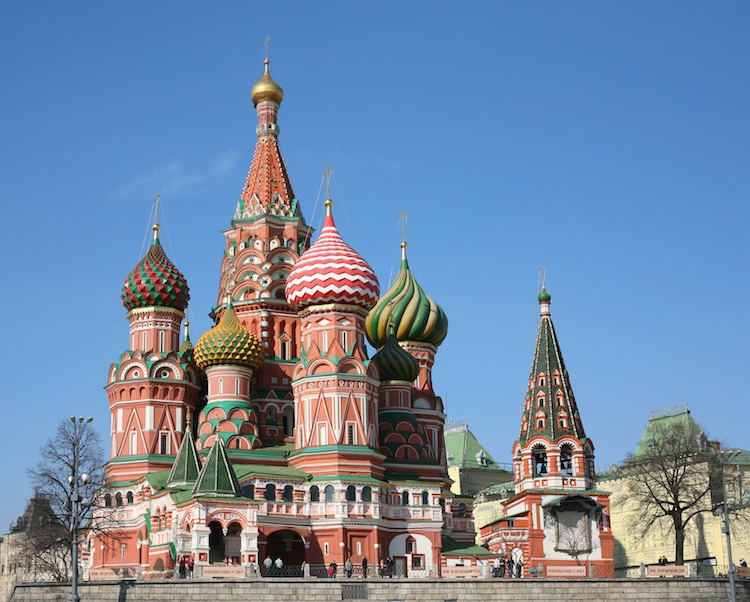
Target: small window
(540, 402)
(288, 493)
(350, 434)
(270, 492)
(411, 545)
(404, 498)
(249, 491)
(118, 499)
(314, 494)
(417, 561)
(540, 423)
(351, 493)
(107, 500)
(129, 497)
(325, 549)
(366, 495)
(329, 493)
(541, 381)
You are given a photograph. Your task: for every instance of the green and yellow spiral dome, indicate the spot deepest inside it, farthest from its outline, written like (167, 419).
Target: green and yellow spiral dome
(415, 316)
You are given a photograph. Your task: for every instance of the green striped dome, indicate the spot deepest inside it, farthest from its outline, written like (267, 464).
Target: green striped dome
(395, 363)
(416, 317)
(229, 342)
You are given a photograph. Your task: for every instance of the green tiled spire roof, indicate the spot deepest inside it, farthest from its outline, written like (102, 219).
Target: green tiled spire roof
(416, 317)
(550, 408)
(465, 450)
(395, 363)
(155, 281)
(217, 477)
(186, 467)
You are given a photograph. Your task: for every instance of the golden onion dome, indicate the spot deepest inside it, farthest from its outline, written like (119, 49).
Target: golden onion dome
(229, 342)
(266, 89)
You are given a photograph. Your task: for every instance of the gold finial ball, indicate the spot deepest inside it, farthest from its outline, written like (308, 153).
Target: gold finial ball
(266, 89)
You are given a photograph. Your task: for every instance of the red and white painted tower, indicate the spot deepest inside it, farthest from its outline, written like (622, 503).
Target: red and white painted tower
(557, 518)
(154, 385)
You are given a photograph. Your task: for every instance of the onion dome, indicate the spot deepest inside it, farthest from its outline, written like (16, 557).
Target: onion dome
(416, 317)
(330, 271)
(544, 296)
(266, 89)
(394, 362)
(229, 342)
(155, 281)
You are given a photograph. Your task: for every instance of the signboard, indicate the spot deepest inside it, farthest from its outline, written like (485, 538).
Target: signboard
(461, 571)
(565, 571)
(112, 573)
(214, 571)
(666, 571)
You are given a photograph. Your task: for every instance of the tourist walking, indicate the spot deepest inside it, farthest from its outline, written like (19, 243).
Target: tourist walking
(364, 567)
(348, 568)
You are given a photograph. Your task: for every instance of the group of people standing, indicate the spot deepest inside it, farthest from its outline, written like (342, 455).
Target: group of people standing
(186, 566)
(273, 567)
(508, 567)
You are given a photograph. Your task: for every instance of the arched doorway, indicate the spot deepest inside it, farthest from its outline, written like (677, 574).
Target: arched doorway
(233, 543)
(215, 543)
(287, 545)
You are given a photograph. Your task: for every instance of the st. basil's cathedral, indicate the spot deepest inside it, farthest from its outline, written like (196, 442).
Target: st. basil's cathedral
(276, 436)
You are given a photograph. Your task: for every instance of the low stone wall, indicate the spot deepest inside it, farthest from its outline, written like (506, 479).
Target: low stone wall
(389, 590)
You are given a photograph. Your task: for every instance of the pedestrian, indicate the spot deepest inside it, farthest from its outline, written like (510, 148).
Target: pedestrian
(743, 563)
(183, 567)
(496, 567)
(382, 567)
(190, 566)
(348, 568)
(330, 571)
(364, 567)
(279, 564)
(389, 566)
(267, 564)
(335, 568)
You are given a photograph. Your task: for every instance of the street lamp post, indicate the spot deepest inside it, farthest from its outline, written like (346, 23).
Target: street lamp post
(78, 504)
(377, 556)
(725, 457)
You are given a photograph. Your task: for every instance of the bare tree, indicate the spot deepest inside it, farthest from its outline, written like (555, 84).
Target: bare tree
(47, 546)
(671, 478)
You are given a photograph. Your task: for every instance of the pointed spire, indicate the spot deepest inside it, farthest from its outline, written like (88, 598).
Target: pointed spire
(550, 409)
(186, 467)
(217, 477)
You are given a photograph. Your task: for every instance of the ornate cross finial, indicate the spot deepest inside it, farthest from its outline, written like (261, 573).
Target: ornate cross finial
(265, 44)
(188, 420)
(543, 276)
(402, 219)
(327, 175)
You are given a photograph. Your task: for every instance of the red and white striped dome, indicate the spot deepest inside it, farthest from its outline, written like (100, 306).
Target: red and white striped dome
(330, 271)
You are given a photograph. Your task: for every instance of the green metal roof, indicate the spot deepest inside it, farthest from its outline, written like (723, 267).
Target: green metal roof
(217, 477)
(465, 451)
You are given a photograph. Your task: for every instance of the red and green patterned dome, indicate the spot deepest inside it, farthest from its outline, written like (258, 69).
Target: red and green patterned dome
(395, 363)
(155, 281)
(416, 317)
(229, 342)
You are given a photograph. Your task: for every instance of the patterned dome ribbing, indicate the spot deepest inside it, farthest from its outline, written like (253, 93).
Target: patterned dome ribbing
(330, 271)
(395, 363)
(229, 342)
(416, 317)
(155, 281)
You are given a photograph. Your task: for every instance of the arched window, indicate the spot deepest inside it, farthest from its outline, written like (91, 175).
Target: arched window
(366, 493)
(270, 492)
(404, 498)
(107, 500)
(288, 493)
(118, 499)
(129, 497)
(461, 510)
(425, 498)
(314, 494)
(540, 461)
(329, 493)
(351, 493)
(566, 459)
(248, 491)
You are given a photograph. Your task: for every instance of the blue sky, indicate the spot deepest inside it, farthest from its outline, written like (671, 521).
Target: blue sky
(609, 141)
